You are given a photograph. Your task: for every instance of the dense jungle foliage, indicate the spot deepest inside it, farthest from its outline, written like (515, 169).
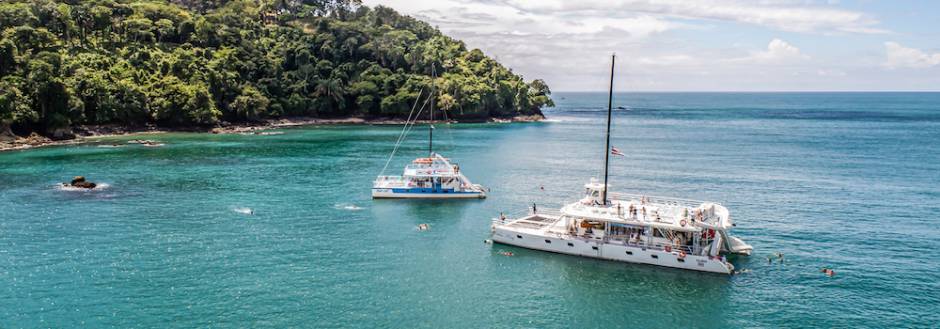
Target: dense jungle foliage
(201, 62)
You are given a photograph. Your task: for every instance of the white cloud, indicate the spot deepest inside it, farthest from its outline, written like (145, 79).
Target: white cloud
(830, 73)
(899, 56)
(673, 44)
(778, 52)
(781, 15)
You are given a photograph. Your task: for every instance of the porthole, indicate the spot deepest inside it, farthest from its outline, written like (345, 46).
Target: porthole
(570, 244)
(594, 247)
(654, 256)
(548, 241)
(518, 237)
(629, 253)
(680, 260)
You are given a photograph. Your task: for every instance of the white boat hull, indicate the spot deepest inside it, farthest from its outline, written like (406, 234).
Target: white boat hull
(570, 245)
(388, 193)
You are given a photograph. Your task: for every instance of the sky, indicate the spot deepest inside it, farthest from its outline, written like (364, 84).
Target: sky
(701, 45)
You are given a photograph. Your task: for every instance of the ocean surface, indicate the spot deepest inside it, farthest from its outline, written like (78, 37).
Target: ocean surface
(280, 231)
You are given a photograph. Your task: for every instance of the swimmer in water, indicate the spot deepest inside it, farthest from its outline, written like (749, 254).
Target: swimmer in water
(828, 271)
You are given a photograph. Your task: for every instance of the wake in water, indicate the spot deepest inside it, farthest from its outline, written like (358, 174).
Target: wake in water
(69, 188)
(347, 206)
(243, 210)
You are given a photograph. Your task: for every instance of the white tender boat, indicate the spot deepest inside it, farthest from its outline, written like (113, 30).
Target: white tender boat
(670, 232)
(433, 177)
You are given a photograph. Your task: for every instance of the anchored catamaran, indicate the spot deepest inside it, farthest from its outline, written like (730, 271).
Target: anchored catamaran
(432, 177)
(679, 233)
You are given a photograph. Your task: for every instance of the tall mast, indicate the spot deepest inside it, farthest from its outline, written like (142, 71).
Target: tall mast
(431, 114)
(610, 103)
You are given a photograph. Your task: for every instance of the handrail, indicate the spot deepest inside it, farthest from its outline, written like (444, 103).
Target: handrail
(660, 199)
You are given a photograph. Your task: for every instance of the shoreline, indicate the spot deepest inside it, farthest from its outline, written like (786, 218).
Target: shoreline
(87, 134)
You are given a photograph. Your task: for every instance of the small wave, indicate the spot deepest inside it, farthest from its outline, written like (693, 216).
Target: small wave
(552, 120)
(243, 210)
(347, 206)
(69, 188)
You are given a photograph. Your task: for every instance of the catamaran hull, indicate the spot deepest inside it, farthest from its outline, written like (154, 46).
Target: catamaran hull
(381, 193)
(607, 251)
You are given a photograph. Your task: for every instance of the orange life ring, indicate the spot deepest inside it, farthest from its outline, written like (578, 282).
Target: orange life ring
(668, 249)
(683, 222)
(681, 254)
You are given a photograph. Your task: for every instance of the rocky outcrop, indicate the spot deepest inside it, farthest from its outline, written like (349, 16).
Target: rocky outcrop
(80, 182)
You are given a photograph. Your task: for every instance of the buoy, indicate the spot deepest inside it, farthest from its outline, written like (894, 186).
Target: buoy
(423, 227)
(683, 222)
(681, 254)
(668, 249)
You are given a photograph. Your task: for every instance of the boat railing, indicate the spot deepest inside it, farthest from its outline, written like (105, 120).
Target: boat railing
(691, 203)
(688, 249)
(389, 178)
(440, 166)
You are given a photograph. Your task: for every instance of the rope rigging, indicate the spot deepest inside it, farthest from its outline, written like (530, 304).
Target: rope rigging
(407, 128)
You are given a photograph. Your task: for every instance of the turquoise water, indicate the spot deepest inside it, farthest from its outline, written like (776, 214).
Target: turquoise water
(848, 181)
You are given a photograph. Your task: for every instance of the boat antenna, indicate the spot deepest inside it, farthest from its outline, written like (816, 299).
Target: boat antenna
(610, 103)
(431, 115)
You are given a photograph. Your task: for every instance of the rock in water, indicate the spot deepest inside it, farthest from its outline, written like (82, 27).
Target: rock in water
(80, 182)
(88, 185)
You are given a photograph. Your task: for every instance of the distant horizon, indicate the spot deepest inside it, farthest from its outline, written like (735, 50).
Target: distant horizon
(751, 91)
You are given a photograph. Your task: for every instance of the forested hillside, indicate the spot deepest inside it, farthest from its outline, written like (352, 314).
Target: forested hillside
(198, 63)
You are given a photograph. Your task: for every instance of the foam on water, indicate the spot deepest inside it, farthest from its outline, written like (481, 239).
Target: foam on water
(243, 210)
(98, 188)
(347, 206)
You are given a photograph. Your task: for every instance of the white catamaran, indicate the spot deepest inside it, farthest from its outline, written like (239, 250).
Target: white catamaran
(432, 177)
(685, 234)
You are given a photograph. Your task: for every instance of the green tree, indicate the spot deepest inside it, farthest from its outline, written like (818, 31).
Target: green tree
(188, 62)
(14, 107)
(251, 105)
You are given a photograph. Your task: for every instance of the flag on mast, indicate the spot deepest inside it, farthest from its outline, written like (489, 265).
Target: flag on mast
(615, 151)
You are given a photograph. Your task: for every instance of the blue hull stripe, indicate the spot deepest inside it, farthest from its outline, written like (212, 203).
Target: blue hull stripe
(420, 190)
